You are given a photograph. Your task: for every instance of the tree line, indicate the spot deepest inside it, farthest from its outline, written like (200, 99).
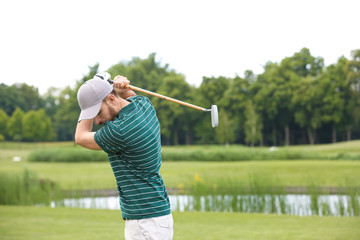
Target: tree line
(296, 101)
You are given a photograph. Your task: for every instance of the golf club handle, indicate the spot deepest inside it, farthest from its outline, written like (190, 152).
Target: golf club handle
(164, 97)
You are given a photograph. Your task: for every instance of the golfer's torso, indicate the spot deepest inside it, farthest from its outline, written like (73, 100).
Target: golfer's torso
(136, 167)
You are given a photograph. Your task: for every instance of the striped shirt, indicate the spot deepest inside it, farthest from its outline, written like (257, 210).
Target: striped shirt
(132, 142)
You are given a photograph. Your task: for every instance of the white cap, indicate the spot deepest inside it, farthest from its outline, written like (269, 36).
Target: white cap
(90, 96)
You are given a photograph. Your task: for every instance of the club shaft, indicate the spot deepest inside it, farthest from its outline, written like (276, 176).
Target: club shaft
(165, 97)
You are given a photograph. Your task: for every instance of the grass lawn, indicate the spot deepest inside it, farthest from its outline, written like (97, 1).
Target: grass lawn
(267, 173)
(98, 175)
(71, 223)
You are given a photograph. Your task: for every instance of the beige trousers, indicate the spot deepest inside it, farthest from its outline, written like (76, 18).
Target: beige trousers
(157, 228)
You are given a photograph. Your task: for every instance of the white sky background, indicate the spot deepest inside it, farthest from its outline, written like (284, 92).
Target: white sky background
(52, 43)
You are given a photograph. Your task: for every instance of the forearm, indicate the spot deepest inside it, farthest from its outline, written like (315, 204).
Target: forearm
(125, 94)
(84, 135)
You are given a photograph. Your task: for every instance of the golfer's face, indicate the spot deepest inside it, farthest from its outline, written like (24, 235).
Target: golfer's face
(107, 113)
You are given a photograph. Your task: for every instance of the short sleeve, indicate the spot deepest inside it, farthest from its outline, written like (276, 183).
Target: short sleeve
(138, 98)
(109, 138)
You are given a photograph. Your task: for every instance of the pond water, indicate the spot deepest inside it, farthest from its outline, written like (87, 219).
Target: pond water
(292, 204)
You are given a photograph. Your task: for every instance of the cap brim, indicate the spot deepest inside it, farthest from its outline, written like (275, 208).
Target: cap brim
(90, 112)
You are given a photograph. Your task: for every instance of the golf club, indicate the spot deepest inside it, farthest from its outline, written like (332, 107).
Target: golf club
(213, 109)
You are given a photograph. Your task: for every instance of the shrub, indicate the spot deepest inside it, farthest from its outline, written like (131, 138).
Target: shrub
(67, 155)
(240, 154)
(208, 153)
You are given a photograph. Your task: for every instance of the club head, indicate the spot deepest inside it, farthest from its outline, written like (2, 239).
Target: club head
(214, 116)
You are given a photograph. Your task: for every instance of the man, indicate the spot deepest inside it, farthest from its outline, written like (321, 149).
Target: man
(131, 138)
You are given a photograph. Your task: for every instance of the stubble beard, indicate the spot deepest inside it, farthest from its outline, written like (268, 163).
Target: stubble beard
(112, 112)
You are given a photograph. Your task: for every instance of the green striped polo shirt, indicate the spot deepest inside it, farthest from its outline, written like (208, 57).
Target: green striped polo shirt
(132, 142)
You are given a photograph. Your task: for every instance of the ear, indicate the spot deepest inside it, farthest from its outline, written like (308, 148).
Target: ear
(110, 99)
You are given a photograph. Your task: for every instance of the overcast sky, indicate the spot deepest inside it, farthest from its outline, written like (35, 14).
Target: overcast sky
(52, 43)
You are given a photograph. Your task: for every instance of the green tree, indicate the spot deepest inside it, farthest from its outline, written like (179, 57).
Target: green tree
(301, 65)
(211, 92)
(19, 95)
(233, 102)
(308, 101)
(174, 118)
(278, 83)
(36, 126)
(4, 118)
(275, 87)
(31, 96)
(253, 124)
(224, 132)
(331, 82)
(67, 114)
(352, 93)
(10, 99)
(51, 102)
(14, 125)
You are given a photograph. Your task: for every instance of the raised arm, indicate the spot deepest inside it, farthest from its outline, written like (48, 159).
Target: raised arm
(84, 135)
